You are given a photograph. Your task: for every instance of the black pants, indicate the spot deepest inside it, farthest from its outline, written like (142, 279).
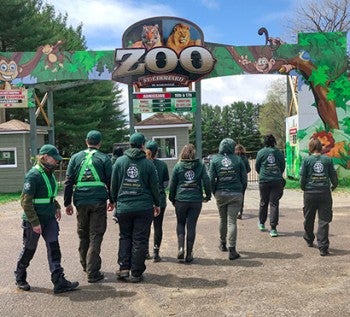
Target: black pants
(158, 228)
(134, 231)
(92, 224)
(50, 232)
(187, 214)
(321, 203)
(270, 195)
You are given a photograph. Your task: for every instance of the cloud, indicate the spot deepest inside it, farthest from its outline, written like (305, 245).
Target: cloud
(107, 19)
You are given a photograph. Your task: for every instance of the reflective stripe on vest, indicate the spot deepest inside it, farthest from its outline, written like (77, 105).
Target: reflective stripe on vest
(50, 193)
(88, 164)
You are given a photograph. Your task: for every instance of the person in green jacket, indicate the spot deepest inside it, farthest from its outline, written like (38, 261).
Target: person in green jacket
(88, 180)
(188, 180)
(163, 176)
(40, 218)
(135, 188)
(240, 151)
(270, 165)
(317, 179)
(228, 178)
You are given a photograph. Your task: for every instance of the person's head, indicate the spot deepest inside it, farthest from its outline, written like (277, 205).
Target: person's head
(240, 149)
(137, 140)
(49, 156)
(269, 140)
(93, 138)
(151, 149)
(118, 151)
(188, 152)
(315, 146)
(227, 146)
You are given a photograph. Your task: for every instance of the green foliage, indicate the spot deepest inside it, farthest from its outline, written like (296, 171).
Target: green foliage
(275, 104)
(237, 121)
(93, 106)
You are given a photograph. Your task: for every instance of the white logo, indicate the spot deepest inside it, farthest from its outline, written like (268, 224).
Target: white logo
(271, 159)
(318, 167)
(132, 171)
(226, 161)
(26, 186)
(189, 175)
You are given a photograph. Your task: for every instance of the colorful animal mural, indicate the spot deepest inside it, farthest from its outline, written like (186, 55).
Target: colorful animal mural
(319, 59)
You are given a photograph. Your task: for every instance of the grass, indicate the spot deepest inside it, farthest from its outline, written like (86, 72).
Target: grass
(5, 198)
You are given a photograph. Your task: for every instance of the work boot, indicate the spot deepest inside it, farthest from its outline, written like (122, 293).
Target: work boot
(189, 252)
(156, 257)
(23, 285)
(62, 285)
(181, 247)
(233, 254)
(223, 247)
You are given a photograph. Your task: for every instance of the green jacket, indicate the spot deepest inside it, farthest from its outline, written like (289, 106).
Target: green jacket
(135, 185)
(88, 195)
(163, 176)
(270, 164)
(188, 180)
(317, 174)
(36, 189)
(227, 171)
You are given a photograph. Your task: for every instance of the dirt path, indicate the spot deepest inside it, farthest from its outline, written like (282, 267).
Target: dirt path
(274, 276)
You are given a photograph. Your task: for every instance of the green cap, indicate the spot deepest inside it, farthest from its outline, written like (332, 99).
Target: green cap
(152, 146)
(137, 139)
(94, 137)
(50, 150)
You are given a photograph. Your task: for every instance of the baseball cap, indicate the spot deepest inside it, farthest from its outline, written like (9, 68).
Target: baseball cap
(50, 150)
(137, 139)
(94, 137)
(152, 146)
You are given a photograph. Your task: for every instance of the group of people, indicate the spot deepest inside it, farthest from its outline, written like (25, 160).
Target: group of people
(134, 186)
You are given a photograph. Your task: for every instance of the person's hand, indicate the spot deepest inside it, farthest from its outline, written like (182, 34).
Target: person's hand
(37, 229)
(156, 211)
(58, 214)
(110, 206)
(69, 210)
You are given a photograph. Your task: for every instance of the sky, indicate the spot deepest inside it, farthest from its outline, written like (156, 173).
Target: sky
(233, 22)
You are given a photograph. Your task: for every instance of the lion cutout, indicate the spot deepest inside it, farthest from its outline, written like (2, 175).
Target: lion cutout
(180, 38)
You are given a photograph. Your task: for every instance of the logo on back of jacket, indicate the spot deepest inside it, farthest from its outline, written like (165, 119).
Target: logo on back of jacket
(190, 182)
(131, 183)
(271, 163)
(318, 174)
(226, 170)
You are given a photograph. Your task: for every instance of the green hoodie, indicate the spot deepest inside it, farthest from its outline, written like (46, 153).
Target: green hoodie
(135, 185)
(188, 179)
(270, 164)
(227, 171)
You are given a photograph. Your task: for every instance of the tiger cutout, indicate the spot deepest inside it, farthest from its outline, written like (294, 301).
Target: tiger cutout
(150, 37)
(180, 38)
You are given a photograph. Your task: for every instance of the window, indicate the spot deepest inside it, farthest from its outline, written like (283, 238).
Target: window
(8, 157)
(166, 147)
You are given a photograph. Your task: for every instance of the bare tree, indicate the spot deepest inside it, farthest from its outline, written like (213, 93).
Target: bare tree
(321, 16)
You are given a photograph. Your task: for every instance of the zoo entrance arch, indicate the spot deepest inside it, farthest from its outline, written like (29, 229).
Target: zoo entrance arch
(319, 59)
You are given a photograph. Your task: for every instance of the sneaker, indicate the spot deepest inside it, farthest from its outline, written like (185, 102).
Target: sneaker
(122, 274)
(273, 233)
(23, 285)
(261, 227)
(62, 285)
(223, 247)
(136, 279)
(96, 278)
(239, 216)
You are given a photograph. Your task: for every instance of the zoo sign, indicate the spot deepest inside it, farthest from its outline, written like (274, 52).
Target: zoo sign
(162, 52)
